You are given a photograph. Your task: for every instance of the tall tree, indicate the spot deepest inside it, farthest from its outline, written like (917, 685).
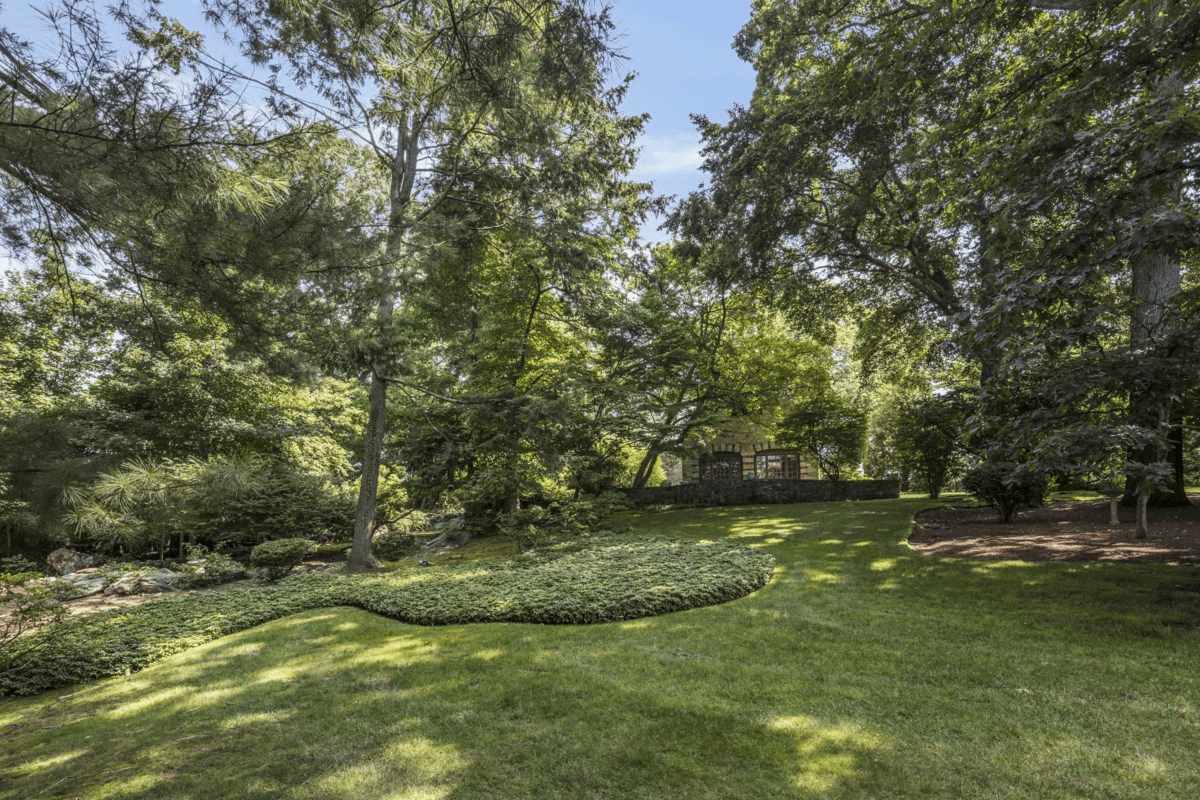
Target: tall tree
(828, 428)
(421, 83)
(1020, 171)
(849, 112)
(1102, 174)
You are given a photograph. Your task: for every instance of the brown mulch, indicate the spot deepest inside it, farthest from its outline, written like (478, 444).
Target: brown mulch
(1069, 531)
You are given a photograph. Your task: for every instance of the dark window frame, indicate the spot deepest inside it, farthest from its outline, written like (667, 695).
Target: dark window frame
(721, 466)
(788, 468)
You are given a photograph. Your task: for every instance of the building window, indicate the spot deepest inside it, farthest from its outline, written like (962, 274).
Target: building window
(721, 467)
(775, 466)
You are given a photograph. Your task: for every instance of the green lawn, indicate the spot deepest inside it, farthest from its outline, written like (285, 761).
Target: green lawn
(861, 670)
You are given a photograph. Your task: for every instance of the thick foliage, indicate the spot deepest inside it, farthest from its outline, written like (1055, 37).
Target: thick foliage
(1006, 488)
(205, 568)
(142, 505)
(279, 556)
(598, 579)
(393, 545)
(285, 504)
(539, 525)
(397, 540)
(928, 438)
(26, 606)
(830, 429)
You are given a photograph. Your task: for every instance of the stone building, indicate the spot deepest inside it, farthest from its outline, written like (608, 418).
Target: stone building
(743, 452)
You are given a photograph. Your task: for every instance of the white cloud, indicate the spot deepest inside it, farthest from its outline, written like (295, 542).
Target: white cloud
(664, 155)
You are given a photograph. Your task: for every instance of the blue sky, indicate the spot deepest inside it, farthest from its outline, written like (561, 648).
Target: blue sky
(682, 54)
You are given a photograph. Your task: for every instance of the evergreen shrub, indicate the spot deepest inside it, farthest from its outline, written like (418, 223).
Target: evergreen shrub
(280, 555)
(397, 540)
(535, 526)
(205, 568)
(286, 504)
(393, 545)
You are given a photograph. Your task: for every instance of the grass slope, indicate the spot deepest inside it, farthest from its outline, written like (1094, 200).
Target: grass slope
(861, 670)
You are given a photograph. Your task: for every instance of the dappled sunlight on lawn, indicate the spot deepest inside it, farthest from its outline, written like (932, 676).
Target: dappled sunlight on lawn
(997, 568)
(860, 670)
(280, 699)
(260, 718)
(426, 766)
(826, 754)
(488, 655)
(148, 700)
(822, 576)
(34, 766)
(636, 624)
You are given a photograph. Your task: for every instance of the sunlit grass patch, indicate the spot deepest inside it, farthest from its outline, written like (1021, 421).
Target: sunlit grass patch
(900, 676)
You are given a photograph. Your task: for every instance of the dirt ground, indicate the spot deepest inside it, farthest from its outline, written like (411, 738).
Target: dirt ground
(1068, 531)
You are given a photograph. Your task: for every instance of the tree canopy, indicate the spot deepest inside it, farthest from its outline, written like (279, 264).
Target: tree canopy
(394, 248)
(1020, 175)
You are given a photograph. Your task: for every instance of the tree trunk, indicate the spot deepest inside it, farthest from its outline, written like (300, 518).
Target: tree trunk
(646, 468)
(1156, 285)
(403, 175)
(1175, 444)
(368, 485)
(1143, 527)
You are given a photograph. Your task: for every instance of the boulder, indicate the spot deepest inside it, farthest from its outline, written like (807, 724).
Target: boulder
(444, 543)
(85, 588)
(127, 584)
(65, 561)
(161, 580)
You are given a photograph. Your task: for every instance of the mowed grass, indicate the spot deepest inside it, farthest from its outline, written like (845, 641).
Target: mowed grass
(860, 670)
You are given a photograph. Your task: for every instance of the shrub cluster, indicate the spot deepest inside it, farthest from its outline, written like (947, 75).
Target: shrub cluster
(14, 568)
(536, 526)
(597, 579)
(279, 556)
(206, 568)
(284, 504)
(392, 545)
(25, 605)
(398, 540)
(1006, 488)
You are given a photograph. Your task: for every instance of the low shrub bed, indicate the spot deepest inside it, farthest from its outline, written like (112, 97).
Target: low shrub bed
(597, 579)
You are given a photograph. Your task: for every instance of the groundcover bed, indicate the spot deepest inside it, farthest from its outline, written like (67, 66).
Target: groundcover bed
(598, 579)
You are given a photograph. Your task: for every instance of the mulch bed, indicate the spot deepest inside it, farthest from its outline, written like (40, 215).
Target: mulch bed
(1069, 531)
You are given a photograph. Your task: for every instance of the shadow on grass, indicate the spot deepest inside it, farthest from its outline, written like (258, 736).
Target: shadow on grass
(863, 545)
(389, 710)
(861, 670)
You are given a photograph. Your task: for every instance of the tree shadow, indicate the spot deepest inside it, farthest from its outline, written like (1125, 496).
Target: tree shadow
(859, 665)
(341, 703)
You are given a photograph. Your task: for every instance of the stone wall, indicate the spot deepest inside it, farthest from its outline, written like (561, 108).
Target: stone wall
(741, 493)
